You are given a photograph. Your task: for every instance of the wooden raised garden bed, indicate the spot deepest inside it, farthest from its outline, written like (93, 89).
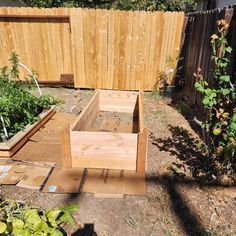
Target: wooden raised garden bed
(9, 148)
(108, 134)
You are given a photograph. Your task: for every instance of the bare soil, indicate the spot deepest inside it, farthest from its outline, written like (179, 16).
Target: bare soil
(177, 203)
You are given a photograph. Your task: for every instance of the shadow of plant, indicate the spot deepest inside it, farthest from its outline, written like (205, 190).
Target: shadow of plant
(88, 230)
(190, 151)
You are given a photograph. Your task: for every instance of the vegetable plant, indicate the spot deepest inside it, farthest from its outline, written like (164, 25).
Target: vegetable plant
(219, 99)
(18, 106)
(19, 219)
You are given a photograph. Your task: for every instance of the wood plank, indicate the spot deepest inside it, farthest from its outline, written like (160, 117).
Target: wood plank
(157, 65)
(116, 54)
(103, 150)
(86, 38)
(84, 116)
(134, 50)
(66, 148)
(14, 144)
(101, 47)
(110, 55)
(119, 101)
(140, 111)
(77, 47)
(142, 151)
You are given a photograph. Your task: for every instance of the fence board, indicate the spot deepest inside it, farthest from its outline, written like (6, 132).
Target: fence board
(197, 51)
(103, 49)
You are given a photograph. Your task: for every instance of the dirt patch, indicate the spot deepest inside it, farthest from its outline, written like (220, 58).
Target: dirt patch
(176, 203)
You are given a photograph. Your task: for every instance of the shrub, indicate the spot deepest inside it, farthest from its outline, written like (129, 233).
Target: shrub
(18, 106)
(219, 100)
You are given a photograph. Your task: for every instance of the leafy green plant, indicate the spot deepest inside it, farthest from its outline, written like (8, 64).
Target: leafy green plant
(18, 106)
(149, 5)
(19, 219)
(219, 99)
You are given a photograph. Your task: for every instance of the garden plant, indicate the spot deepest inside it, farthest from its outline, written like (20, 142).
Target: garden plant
(16, 218)
(219, 99)
(18, 106)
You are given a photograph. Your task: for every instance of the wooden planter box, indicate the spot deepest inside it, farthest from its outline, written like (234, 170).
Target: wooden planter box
(85, 148)
(9, 148)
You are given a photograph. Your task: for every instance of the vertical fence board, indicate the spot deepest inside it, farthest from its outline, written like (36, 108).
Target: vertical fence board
(198, 51)
(102, 49)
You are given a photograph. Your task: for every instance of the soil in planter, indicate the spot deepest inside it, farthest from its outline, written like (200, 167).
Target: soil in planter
(118, 122)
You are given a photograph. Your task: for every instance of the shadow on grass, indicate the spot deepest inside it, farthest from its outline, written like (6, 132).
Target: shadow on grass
(189, 151)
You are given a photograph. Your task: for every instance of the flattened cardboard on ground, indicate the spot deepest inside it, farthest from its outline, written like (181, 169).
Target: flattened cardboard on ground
(45, 146)
(64, 181)
(114, 183)
(44, 153)
(11, 174)
(58, 122)
(46, 137)
(109, 124)
(34, 177)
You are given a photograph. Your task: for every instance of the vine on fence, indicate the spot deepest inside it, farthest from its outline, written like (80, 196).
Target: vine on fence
(219, 99)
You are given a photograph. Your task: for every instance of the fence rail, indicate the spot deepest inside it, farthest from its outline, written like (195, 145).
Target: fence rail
(100, 48)
(197, 50)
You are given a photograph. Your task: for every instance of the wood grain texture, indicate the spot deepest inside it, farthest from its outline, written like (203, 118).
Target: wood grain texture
(10, 147)
(142, 151)
(66, 148)
(121, 50)
(89, 114)
(197, 49)
(103, 150)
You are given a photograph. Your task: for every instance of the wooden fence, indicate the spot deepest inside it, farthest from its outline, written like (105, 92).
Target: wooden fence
(102, 49)
(197, 50)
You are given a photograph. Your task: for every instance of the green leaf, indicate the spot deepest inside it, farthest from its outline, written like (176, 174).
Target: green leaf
(17, 223)
(3, 227)
(67, 218)
(52, 216)
(228, 49)
(56, 232)
(21, 232)
(225, 91)
(233, 126)
(72, 208)
(225, 78)
(199, 87)
(32, 219)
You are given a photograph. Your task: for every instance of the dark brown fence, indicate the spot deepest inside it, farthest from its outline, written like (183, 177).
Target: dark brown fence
(197, 49)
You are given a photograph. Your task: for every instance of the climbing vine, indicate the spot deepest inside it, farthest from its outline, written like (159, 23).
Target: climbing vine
(219, 99)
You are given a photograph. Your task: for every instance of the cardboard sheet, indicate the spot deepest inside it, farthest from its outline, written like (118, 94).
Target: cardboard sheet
(48, 154)
(64, 181)
(46, 137)
(109, 124)
(58, 122)
(11, 174)
(44, 147)
(34, 177)
(114, 183)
